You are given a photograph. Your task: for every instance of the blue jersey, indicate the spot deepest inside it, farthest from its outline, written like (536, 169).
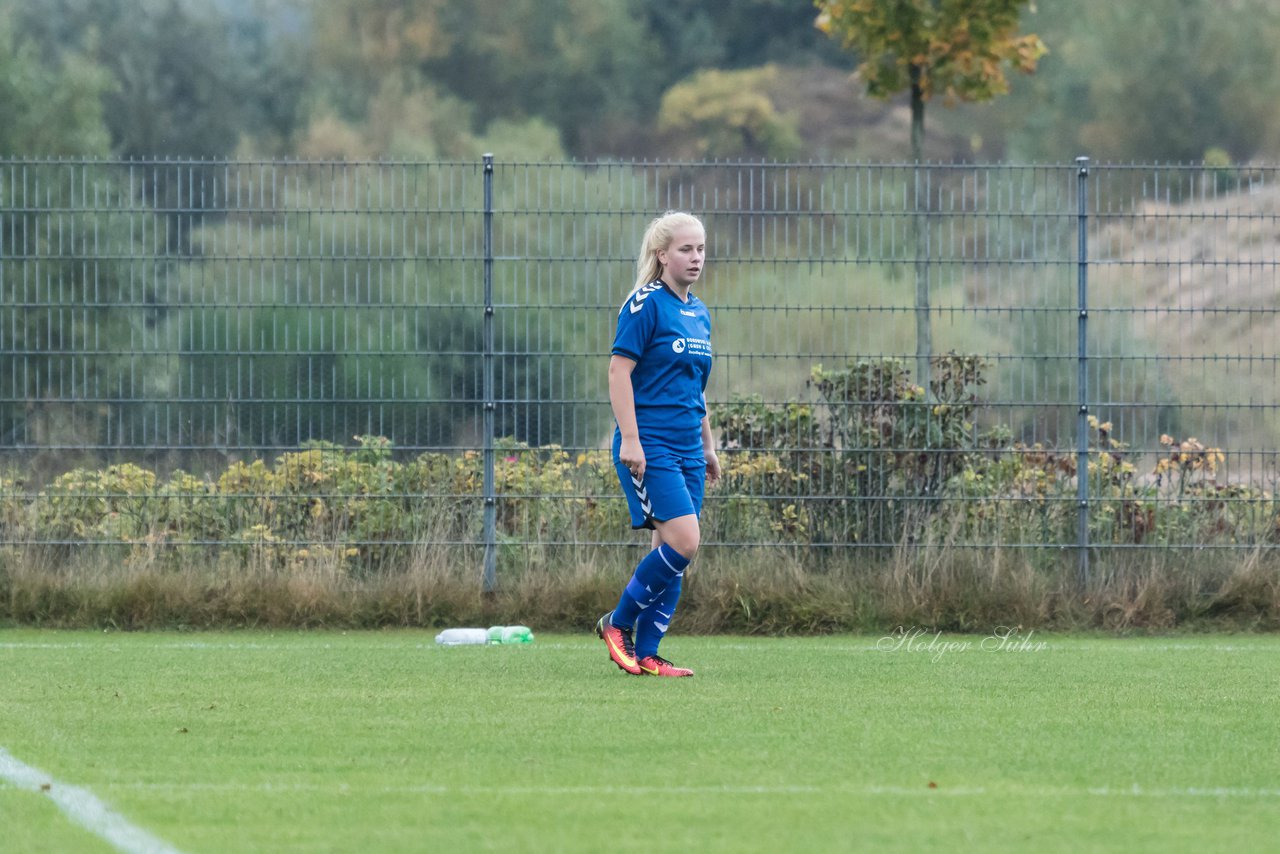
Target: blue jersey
(670, 342)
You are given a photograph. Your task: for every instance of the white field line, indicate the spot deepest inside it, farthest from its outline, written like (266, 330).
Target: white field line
(83, 807)
(1134, 791)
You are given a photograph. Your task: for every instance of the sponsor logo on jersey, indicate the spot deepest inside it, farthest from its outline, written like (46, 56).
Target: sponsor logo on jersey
(695, 346)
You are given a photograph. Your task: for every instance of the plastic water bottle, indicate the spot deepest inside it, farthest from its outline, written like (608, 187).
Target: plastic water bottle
(459, 637)
(510, 634)
(493, 635)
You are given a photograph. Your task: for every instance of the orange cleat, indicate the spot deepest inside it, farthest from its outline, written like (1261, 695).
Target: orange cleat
(621, 648)
(656, 665)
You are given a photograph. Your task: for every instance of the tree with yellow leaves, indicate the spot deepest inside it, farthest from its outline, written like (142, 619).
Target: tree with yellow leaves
(958, 48)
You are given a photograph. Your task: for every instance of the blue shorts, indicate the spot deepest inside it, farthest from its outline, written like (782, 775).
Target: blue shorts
(672, 487)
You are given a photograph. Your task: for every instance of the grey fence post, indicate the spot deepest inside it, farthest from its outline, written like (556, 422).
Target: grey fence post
(490, 496)
(923, 231)
(1082, 362)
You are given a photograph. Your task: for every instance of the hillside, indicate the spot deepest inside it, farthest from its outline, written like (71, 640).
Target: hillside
(1203, 270)
(1187, 294)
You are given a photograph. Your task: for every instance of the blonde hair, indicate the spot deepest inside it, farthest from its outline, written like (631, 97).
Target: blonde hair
(656, 238)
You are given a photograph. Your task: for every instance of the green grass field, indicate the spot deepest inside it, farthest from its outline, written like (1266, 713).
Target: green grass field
(381, 741)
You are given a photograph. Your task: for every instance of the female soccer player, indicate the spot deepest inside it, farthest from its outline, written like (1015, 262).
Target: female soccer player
(662, 447)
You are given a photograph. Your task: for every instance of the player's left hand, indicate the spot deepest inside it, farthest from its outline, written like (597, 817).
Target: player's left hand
(713, 468)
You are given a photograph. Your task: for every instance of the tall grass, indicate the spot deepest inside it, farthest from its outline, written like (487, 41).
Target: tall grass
(768, 591)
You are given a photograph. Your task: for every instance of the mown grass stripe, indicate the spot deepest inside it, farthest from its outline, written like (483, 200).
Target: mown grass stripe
(1134, 791)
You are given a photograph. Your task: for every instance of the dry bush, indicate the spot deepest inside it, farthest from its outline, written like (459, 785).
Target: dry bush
(772, 591)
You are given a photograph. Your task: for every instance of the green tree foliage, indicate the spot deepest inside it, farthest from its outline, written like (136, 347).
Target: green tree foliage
(270, 73)
(51, 106)
(308, 320)
(82, 304)
(357, 45)
(186, 80)
(1150, 82)
(734, 34)
(576, 63)
(404, 118)
(428, 79)
(728, 114)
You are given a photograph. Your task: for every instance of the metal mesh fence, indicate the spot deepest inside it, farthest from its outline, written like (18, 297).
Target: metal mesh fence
(372, 356)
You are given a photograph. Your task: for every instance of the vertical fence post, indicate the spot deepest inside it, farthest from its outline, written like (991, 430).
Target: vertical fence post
(490, 496)
(1082, 362)
(924, 320)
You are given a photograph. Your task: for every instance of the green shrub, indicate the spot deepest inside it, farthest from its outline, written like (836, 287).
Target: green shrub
(873, 460)
(118, 503)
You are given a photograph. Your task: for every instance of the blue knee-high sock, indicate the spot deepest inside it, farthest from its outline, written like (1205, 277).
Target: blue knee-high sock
(652, 576)
(653, 622)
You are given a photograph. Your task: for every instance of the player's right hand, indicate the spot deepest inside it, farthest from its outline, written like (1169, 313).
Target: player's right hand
(631, 455)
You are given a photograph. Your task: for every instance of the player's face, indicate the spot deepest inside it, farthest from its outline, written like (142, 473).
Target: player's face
(684, 256)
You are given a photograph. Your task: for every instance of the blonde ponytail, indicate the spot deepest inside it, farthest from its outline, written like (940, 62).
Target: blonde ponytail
(657, 236)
